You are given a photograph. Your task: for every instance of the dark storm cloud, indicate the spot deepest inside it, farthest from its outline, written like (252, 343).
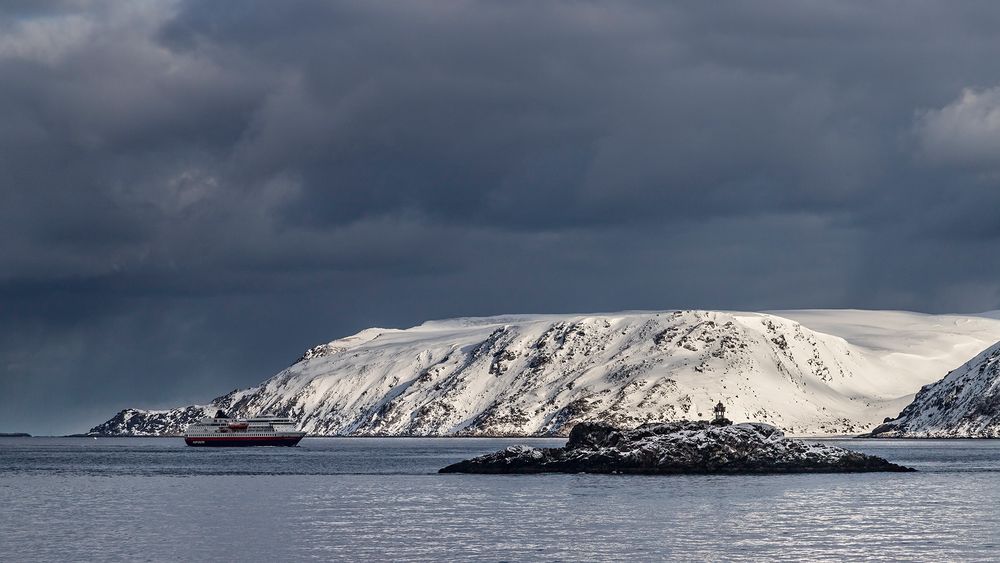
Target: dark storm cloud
(194, 192)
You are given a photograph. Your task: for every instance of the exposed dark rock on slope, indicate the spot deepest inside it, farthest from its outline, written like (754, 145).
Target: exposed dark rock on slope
(965, 404)
(527, 375)
(676, 447)
(135, 422)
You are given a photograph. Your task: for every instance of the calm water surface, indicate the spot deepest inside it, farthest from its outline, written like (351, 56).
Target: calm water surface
(135, 499)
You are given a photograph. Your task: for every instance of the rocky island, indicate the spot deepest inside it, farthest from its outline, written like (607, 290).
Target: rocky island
(674, 448)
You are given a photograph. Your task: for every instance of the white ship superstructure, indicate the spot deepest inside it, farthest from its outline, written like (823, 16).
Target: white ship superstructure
(221, 430)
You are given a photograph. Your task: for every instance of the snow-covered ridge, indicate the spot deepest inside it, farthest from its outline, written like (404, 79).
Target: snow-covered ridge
(965, 404)
(808, 372)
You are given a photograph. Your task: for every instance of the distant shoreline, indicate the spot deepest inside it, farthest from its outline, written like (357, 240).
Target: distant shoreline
(522, 436)
(15, 435)
(509, 436)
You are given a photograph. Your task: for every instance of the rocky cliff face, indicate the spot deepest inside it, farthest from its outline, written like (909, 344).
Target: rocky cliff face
(676, 447)
(136, 422)
(965, 404)
(541, 375)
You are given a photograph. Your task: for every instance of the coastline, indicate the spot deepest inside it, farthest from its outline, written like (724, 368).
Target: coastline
(820, 437)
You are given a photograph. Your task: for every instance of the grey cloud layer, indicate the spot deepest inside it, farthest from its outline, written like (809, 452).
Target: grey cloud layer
(195, 191)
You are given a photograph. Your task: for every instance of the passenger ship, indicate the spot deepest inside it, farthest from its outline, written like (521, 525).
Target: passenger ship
(259, 431)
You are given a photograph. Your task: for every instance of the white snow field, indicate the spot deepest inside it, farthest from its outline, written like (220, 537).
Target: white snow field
(809, 372)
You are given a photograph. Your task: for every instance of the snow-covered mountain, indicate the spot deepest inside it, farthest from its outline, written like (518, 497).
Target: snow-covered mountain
(808, 372)
(965, 404)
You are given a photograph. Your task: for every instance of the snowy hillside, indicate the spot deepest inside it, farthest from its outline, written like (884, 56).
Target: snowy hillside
(966, 404)
(540, 374)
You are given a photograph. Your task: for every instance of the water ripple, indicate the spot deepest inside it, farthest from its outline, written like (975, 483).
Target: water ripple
(379, 499)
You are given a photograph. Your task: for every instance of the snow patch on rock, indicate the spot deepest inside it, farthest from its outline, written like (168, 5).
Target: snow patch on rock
(676, 447)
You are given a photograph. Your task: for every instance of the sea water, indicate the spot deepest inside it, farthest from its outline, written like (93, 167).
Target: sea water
(135, 499)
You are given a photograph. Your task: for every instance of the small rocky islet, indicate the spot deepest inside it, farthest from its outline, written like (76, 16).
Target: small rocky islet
(683, 447)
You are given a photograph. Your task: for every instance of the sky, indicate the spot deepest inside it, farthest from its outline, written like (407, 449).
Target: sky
(193, 193)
